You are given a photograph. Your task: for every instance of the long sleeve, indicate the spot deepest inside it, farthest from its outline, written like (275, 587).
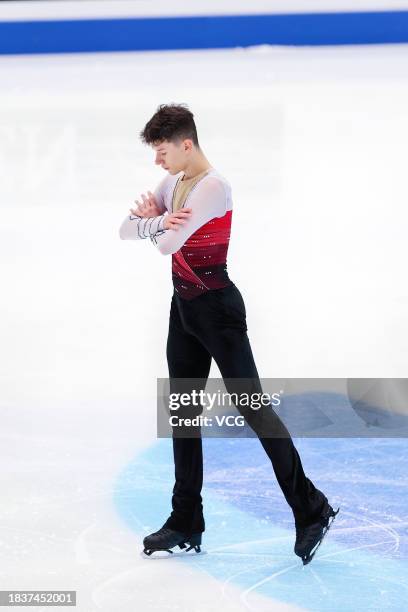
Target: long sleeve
(207, 200)
(137, 228)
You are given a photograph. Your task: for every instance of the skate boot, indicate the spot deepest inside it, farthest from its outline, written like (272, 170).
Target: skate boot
(308, 539)
(165, 539)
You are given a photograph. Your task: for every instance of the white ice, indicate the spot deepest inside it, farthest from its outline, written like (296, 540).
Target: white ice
(313, 142)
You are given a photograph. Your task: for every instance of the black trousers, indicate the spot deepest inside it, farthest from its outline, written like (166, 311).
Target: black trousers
(213, 325)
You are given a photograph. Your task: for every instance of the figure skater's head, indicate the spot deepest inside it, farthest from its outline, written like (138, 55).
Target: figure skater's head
(172, 134)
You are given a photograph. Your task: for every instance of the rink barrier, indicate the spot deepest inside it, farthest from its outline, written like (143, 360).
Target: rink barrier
(202, 32)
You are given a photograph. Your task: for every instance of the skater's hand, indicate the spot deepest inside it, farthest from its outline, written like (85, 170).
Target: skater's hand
(147, 208)
(174, 220)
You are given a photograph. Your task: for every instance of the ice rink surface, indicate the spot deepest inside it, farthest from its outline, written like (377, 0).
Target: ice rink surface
(313, 142)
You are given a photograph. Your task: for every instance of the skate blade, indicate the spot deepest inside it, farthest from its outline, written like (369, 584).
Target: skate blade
(158, 555)
(309, 558)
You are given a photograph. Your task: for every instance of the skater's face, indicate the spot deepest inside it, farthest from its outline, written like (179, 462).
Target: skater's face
(173, 156)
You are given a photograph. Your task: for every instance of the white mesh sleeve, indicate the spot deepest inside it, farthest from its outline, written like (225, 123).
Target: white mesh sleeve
(136, 228)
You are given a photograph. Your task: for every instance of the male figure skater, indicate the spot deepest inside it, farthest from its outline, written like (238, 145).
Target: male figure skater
(189, 217)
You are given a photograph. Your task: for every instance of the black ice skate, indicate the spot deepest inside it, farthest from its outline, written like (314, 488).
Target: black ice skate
(165, 539)
(308, 539)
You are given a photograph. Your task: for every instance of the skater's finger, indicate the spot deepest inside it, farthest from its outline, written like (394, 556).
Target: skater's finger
(146, 201)
(181, 214)
(179, 221)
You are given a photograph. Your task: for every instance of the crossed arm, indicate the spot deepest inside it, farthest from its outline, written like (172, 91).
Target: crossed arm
(137, 227)
(206, 201)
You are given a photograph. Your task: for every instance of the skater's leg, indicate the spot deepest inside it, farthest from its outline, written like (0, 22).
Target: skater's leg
(224, 334)
(187, 358)
(305, 500)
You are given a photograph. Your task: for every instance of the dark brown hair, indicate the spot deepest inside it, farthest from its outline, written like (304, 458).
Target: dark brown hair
(172, 122)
